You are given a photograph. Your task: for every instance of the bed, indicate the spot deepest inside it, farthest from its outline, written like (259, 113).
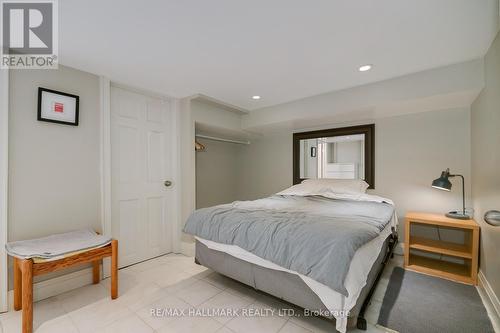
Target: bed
(320, 245)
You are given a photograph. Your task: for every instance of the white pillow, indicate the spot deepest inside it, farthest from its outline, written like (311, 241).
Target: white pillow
(322, 186)
(340, 185)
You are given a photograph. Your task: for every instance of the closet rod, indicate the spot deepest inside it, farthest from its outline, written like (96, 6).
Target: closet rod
(221, 139)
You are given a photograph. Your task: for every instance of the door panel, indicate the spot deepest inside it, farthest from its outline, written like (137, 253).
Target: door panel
(155, 112)
(156, 158)
(129, 213)
(155, 218)
(141, 162)
(128, 154)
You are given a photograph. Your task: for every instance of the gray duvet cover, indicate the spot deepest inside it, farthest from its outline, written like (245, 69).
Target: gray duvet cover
(314, 236)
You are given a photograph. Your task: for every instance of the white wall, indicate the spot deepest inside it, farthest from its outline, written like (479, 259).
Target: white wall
(348, 152)
(53, 169)
(188, 169)
(211, 115)
(410, 152)
(441, 88)
(486, 162)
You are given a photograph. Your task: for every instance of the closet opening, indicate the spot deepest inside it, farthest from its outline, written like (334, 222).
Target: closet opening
(218, 154)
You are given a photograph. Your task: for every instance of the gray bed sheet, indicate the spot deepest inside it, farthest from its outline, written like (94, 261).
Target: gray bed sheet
(313, 236)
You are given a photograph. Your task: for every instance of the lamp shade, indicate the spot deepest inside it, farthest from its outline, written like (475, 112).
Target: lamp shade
(442, 182)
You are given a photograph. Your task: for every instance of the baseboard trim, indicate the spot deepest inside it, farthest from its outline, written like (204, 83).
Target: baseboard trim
(188, 249)
(58, 285)
(493, 298)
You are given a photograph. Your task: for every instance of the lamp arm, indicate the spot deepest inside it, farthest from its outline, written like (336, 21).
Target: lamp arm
(463, 191)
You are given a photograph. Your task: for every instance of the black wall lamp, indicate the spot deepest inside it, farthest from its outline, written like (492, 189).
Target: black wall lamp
(443, 183)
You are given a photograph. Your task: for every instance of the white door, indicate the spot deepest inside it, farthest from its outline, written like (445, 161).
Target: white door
(141, 164)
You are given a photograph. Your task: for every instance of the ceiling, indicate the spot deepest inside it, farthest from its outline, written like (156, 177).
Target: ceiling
(282, 50)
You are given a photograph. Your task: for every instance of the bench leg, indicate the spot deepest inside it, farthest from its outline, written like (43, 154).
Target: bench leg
(96, 271)
(27, 295)
(114, 269)
(18, 286)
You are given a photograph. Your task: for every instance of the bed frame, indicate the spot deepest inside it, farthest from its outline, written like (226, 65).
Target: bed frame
(290, 287)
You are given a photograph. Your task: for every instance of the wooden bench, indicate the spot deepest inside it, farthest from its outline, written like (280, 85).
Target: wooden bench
(26, 269)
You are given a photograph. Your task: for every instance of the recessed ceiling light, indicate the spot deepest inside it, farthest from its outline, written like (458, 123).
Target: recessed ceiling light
(365, 68)
(256, 97)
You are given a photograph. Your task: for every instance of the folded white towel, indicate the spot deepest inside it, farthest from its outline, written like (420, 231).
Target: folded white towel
(57, 245)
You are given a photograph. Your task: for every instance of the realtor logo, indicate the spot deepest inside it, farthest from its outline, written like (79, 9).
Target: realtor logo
(29, 34)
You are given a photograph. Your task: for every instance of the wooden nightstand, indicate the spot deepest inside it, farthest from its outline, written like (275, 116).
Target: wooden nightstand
(468, 252)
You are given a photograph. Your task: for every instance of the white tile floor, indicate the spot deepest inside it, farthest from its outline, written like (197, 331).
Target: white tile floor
(171, 281)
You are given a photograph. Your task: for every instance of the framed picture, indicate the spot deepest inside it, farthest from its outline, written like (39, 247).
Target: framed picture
(57, 107)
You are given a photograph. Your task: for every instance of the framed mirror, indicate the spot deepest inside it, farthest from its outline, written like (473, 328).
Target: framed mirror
(339, 153)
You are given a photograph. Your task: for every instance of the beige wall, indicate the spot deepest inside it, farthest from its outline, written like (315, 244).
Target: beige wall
(195, 113)
(411, 151)
(54, 181)
(217, 166)
(265, 166)
(217, 173)
(485, 119)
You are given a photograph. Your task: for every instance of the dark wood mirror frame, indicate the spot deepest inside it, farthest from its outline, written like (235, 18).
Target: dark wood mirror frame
(367, 130)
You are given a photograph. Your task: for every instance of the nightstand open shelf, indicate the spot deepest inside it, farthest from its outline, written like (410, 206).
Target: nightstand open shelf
(441, 247)
(416, 247)
(441, 268)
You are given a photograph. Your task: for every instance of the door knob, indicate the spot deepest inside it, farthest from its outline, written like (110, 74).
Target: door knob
(167, 183)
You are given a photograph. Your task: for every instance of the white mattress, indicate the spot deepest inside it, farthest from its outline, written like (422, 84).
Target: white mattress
(356, 279)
